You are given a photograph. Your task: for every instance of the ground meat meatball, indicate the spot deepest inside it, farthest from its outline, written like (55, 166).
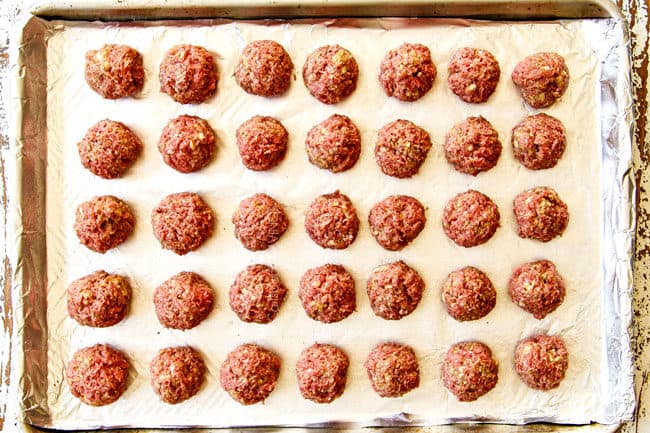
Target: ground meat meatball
(408, 72)
(538, 141)
(259, 222)
(330, 74)
(177, 373)
(541, 78)
(108, 149)
(473, 74)
(327, 293)
(182, 222)
(537, 287)
(114, 71)
(103, 223)
(249, 373)
(322, 372)
(393, 369)
(262, 142)
(264, 69)
(541, 361)
(396, 221)
(99, 299)
(540, 214)
(394, 290)
(334, 144)
(401, 148)
(331, 221)
(473, 146)
(470, 219)
(183, 301)
(187, 143)
(468, 294)
(188, 73)
(469, 371)
(97, 374)
(257, 294)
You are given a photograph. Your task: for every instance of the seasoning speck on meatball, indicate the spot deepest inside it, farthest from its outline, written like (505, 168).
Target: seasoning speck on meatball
(540, 214)
(188, 73)
(177, 373)
(408, 72)
(396, 221)
(331, 221)
(470, 219)
(114, 71)
(259, 222)
(538, 141)
(334, 144)
(103, 223)
(541, 78)
(249, 373)
(257, 294)
(401, 148)
(262, 142)
(542, 361)
(537, 287)
(264, 69)
(182, 222)
(99, 299)
(97, 374)
(392, 369)
(394, 290)
(327, 293)
(183, 301)
(468, 294)
(330, 74)
(469, 371)
(322, 373)
(472, 146)
(187, 143)
(473, 74)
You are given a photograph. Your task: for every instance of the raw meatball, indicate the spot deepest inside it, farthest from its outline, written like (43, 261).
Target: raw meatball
(327, 293)
(257, 294)
(97, 374)
(249, 373)
(401, 148)
(182, 222)
(473, 74)
(99, 299)
(331, 221)
(322, 372)
(394, 290)
(473, 146)
(541, 78)
(262, 142)
(103, 223)
(541, 361)
(187, 143)
(469, 371)
(177, 373)
(537, 287)
(108, 149)
(538, 141)
(396, 221)
(393, 369)
(183, 301)
(330, 74)
(259, 222)
(334, 144)
(188, 74)
(468, 294)
(470, 219)
(540, 214)
(264, 69)
(114, 71)
(407, 73)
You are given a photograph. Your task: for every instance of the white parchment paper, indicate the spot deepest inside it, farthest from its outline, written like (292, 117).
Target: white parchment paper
(73, 107)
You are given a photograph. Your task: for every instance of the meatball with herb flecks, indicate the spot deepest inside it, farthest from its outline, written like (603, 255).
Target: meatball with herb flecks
(114, 71)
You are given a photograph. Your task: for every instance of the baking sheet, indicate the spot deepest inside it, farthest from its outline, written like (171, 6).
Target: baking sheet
(224, 183)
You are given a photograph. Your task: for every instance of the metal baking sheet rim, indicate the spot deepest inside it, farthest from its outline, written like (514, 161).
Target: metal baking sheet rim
(26, 195)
